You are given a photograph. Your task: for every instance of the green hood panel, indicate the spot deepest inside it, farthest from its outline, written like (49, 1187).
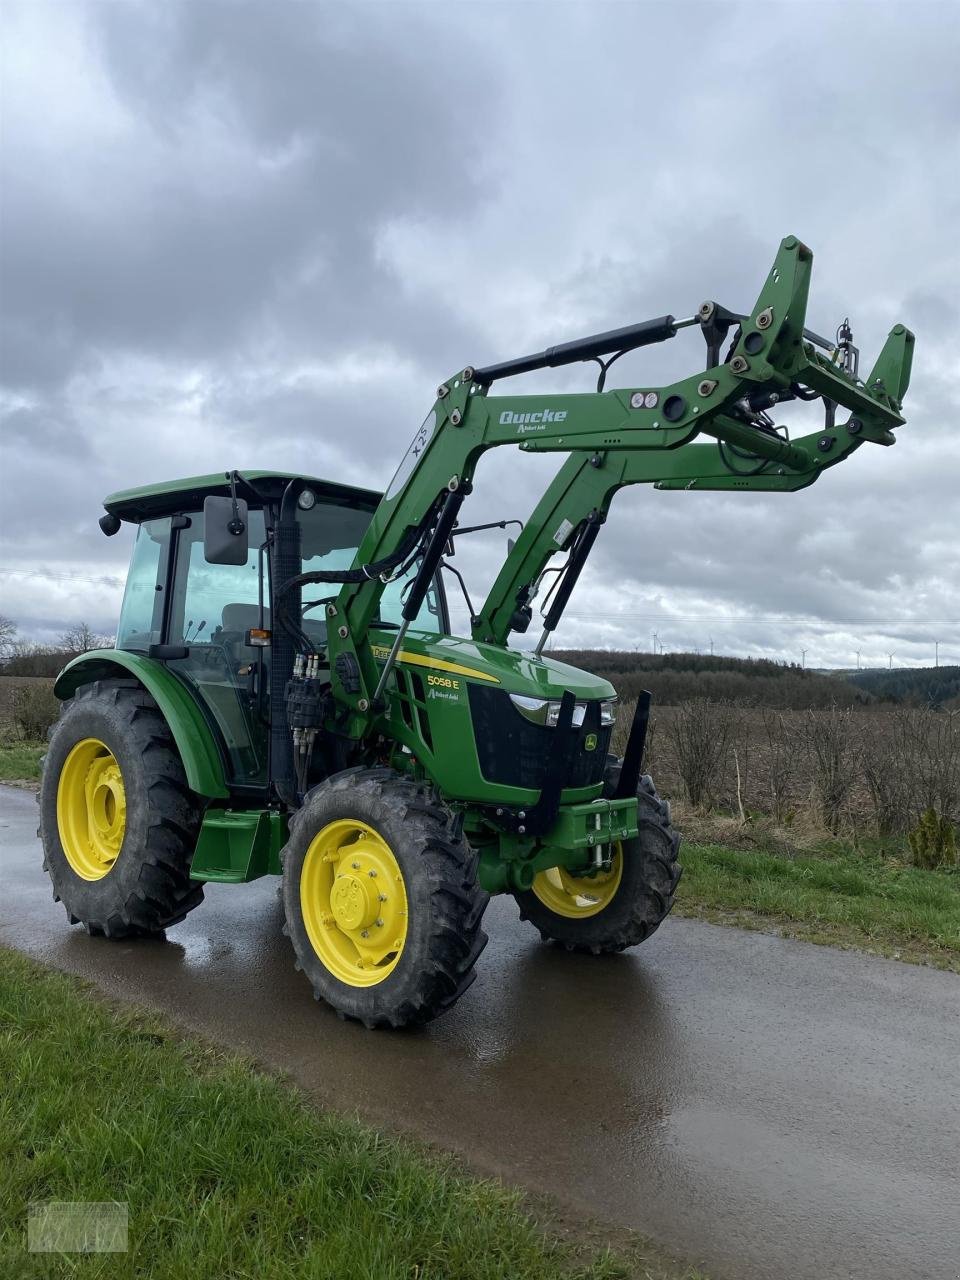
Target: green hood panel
(510, 669)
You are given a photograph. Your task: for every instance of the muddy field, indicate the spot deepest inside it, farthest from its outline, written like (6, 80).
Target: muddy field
(839, 770)
(833, 770)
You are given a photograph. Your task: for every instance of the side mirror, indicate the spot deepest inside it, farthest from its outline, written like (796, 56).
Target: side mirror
(225, 531)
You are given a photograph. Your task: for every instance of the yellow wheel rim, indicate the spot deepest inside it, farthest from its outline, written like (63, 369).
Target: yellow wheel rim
(354, 903)
(91, 809)
(579, 896)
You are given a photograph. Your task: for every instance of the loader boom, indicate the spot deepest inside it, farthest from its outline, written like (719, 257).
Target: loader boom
(620, 437)
(586, 484)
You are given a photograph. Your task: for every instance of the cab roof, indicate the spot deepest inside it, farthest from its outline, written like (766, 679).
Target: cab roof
(153, 500)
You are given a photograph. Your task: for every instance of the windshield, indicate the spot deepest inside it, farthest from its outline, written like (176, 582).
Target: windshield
(329, 538)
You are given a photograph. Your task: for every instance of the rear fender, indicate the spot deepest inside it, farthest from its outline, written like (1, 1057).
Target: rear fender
(199, 751)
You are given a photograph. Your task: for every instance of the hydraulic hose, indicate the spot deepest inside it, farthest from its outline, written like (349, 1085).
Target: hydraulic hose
(365, 572)
(286, 563)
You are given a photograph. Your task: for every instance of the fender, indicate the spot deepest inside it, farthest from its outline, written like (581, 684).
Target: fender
(195, 740)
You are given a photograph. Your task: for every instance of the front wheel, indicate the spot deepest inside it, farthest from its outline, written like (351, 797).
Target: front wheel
(381, 899)
(622, 905)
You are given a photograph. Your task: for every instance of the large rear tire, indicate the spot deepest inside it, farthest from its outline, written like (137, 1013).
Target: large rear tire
(118, 822)
(381, 899)
(620, 907)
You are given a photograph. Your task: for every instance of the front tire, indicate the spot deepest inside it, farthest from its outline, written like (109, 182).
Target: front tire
(623, 906)
(381, 899)
(118, 822)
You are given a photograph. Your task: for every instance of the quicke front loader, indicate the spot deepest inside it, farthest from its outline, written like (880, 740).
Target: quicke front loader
(285, 696)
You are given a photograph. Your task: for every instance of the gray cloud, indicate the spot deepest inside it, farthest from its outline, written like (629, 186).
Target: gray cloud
(255, 234)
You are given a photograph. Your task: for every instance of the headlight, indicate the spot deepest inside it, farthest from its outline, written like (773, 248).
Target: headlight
(553, 713)
(544, 711)
(535, 709)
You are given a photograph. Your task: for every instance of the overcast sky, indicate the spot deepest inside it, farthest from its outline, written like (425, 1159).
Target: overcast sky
(259, 234)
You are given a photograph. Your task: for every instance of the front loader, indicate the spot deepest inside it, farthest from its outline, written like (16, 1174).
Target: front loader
(285, 696)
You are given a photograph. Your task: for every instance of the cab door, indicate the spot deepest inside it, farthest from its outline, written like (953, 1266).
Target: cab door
(212, 608)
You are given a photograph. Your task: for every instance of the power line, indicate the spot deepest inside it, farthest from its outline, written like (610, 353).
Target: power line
(112, 578)
(773, 617)
(743, 619)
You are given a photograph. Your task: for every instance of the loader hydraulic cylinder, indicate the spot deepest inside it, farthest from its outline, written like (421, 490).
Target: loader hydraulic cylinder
(643, 334)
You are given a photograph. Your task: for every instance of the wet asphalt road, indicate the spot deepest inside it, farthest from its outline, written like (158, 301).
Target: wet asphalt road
(765, 1107)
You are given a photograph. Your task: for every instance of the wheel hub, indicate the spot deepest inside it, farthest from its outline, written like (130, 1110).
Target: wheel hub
(354, 902)
(91, 809)
(575, 896)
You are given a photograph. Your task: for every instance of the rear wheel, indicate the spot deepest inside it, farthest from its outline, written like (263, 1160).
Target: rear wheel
(622, 905)
(381, 899)
(118, 822)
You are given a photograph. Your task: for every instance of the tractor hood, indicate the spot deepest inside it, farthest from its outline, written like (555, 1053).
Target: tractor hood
(509, 669)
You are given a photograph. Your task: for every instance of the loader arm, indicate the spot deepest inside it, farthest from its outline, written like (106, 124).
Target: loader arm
(646, 432)
(586, 484)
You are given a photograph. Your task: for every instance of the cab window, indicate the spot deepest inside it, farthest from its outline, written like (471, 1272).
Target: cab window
(329, 538)
(141, 615)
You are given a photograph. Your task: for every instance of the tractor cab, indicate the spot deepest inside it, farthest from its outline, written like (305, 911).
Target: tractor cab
(212, 622)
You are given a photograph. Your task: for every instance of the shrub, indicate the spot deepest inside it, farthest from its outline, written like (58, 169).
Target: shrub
(933, 842)
(35, 708)
(833, 746)
(700, 733)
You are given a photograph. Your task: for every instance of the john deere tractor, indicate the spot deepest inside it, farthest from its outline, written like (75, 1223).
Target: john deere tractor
(286, 697)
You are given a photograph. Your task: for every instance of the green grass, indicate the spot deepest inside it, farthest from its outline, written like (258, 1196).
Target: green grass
(845, 898)
(230, 1173)
(20, 761)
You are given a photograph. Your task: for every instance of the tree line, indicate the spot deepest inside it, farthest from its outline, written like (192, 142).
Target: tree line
(20, 657)
(675, 678)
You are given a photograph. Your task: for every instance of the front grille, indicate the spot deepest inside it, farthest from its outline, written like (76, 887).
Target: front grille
(513, 751)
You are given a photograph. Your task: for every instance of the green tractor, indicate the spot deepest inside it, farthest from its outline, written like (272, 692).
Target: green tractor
(285, 696)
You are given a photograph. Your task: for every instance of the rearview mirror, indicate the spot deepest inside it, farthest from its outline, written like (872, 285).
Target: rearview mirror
(225, 536)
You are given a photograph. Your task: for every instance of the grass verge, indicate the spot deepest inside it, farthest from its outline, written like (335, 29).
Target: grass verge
(228, 1172)
(844, 898)
(20, 761)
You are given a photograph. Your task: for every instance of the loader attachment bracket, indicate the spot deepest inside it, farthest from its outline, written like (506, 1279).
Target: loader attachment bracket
(633, 756)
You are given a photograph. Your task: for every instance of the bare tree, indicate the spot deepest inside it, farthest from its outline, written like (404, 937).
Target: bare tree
(833, 746)
(700, 733)
(781, 762)
(883, 767)
(8, 636)
(931, 748)
(80, 638)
